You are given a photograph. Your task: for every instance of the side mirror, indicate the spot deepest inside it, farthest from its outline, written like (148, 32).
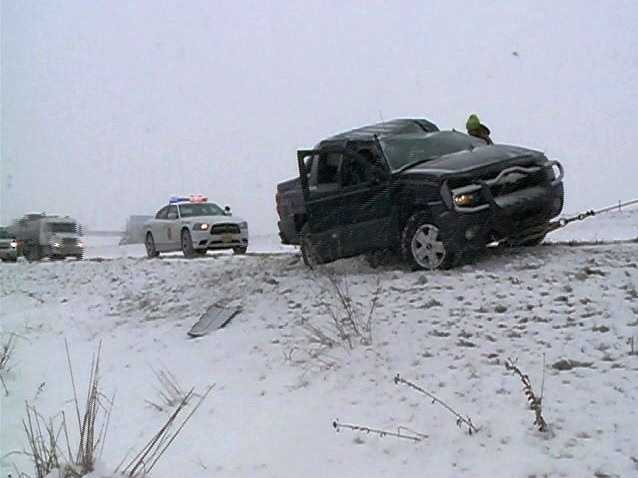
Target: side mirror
(227, 211)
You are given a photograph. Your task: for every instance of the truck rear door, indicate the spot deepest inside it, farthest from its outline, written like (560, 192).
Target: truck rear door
(347, 209)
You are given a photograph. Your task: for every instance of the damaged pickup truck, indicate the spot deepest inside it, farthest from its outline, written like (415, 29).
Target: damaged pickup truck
(430, 196)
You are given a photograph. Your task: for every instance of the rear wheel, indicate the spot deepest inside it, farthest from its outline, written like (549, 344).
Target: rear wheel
(187, 244)
(423, 245)
(201, 252)
(240, 251)
(308, 251)
(151, 251)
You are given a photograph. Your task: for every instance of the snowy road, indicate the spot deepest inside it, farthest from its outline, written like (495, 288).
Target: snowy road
(277, 392)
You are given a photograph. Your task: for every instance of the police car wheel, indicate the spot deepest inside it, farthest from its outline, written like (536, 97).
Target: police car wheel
(150, 246)
(187, 244)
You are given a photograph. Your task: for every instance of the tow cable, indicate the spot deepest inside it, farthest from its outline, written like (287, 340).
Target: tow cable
(540, 231)
(562, 222)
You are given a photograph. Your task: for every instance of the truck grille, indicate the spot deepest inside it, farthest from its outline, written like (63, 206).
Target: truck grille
(224, 229)
(515, 180)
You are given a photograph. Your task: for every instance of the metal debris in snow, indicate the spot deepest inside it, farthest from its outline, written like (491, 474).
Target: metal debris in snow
(214, 318)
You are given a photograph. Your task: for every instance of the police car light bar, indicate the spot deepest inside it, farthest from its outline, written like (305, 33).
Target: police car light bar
(174, 199)
(193, 198)
(197, 198)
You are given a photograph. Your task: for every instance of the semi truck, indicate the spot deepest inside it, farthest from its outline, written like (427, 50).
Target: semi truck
(42, 235)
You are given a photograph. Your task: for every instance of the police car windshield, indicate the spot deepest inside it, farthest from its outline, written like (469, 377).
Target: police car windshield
(200, 209)
(62, 227)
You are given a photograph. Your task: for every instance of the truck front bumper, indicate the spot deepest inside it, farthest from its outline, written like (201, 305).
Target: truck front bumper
(226, 240)
(508, 216)
(66, 251)
(9, 254)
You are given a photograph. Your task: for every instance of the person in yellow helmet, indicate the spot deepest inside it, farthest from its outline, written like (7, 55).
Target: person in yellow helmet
(475, 128)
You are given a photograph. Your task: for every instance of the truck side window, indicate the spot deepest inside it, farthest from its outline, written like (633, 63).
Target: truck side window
(357, 169)
(328, 168)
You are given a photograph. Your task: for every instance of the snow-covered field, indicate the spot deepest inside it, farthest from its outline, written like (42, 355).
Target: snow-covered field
(277, 392)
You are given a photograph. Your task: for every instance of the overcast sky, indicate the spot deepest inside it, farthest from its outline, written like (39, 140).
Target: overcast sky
(108, 107)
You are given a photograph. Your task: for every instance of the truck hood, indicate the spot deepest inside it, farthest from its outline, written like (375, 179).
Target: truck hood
(479, 158)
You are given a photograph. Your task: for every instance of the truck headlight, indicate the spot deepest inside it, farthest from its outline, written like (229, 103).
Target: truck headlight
(465, 200)
(201, 226)
(80, 244)
(13, 244)
(56, 244)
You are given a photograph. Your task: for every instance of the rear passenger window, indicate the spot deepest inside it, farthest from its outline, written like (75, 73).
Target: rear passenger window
(162, 213)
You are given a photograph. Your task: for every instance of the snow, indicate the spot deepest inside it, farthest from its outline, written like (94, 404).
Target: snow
(276, 394)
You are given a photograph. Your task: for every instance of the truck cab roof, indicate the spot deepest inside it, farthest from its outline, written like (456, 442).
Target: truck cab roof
(385, 129)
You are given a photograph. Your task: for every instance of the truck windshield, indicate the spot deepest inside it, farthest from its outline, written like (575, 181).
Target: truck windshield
(69, 227)
(205, 209)
(4, 233)
(404, 149)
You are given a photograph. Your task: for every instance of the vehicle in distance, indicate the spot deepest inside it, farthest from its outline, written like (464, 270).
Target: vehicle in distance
(8, 246)
(194, 226)
(429, 195)
(52, 236)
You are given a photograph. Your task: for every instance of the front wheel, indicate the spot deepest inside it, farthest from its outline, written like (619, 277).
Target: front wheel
(187, 244)
(151, 251)
(423, 245)
(32, 253)
(239, 251)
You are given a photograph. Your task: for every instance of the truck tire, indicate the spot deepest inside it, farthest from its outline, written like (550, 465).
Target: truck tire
(239, 251)
(422, 246)
(187, 244)
(32, 253)
(308, 251)
(149, 242)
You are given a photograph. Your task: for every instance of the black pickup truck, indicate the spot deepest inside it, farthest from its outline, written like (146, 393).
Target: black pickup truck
(426, 194)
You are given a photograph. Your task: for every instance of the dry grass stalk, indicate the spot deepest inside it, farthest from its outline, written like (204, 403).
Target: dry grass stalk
(6, 352)
(412, 435)
(91, 444)
(348, 321)
(535, 403)
(43, 436)
(42, 439)
(460, 419)
(169, 390)
(145, 460)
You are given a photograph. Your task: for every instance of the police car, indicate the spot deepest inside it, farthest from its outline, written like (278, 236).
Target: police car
(194, 226)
